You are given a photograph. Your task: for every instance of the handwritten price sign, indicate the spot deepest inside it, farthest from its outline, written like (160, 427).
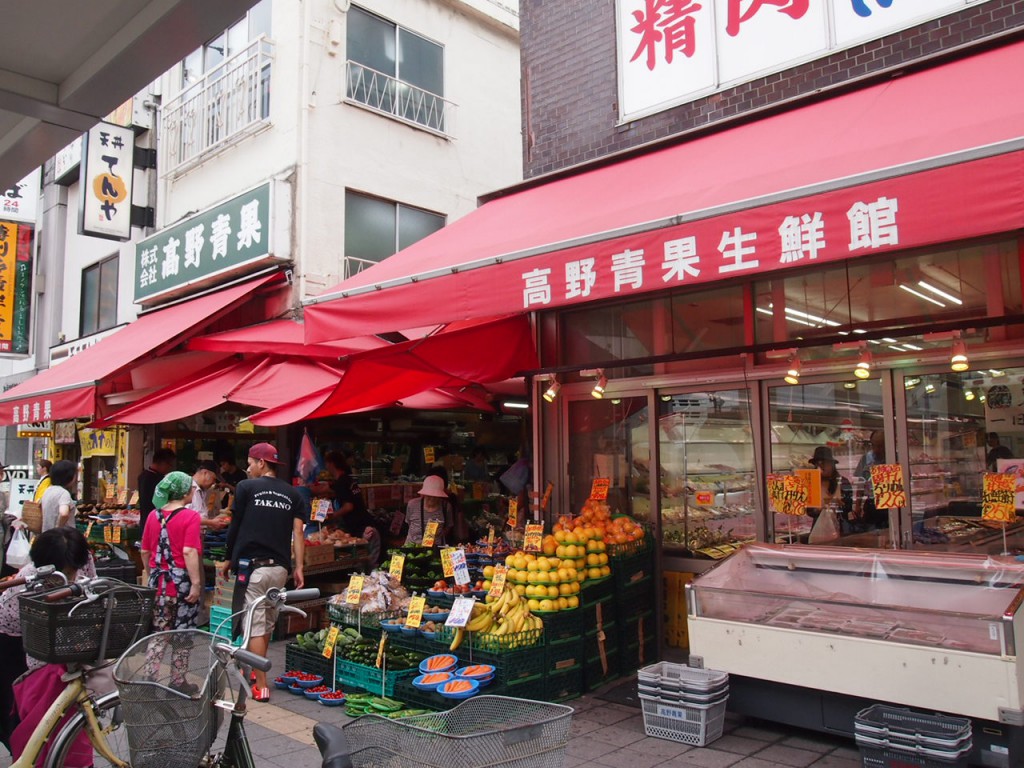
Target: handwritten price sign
(513, 513)
(793, 499)
(534, 537)
(887, 482)
(447, 566)
(332, 640)
(498, 582)
(415, 617)
(997, 497)
(320, 509)
(599, 488)
(355, 590)
(430, 534)
(397, 566)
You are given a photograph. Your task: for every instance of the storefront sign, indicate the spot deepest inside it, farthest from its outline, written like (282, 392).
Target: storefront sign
(66, 162)
(64, 432)
(997, 497)
(8, 258)
(671, 53)
(97, 442)
(206, 247)
(20, 202)
(428, 455)
(106, 188)
(35, 429)
(887, 484)
(22, 489)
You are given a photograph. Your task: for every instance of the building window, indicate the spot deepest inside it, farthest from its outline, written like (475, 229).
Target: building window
(228, 43)
(99, 296)
(376, 229)
(395, 71)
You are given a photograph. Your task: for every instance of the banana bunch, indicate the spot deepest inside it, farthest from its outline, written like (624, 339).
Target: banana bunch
(506, 615)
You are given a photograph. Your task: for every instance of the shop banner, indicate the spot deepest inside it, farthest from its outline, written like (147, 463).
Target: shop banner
(97, 442)
(812, 480)
(107, 179)
(888, 488)
(20, 202)
(997, 497)
(8, 261)
(671, 53)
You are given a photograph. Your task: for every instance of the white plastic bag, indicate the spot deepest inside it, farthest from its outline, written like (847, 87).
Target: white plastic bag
(17, 550)
(826, 527)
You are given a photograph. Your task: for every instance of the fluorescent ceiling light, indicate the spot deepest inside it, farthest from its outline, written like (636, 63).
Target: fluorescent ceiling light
(920, 295)
(515, 404)
(938, 292)
(815, 318)
(764, 311)
(912, 347)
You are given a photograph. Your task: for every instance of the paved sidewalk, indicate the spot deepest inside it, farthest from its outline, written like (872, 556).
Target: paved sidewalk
(603, 734)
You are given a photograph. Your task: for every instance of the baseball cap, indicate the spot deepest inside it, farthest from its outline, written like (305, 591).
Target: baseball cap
(210, 466)
(265, 451)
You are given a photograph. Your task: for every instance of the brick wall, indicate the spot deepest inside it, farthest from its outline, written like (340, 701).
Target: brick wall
(570, 91)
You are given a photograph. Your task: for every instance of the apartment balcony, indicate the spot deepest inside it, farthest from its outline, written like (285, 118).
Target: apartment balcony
(229, 103)
(397, 99)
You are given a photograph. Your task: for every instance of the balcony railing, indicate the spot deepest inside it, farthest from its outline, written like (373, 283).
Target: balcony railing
(230, 101)
(353, 265)
(398, 99)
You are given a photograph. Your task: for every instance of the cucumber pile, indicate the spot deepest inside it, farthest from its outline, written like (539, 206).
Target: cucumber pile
(314, 642)
(364, 652)
(359, 704)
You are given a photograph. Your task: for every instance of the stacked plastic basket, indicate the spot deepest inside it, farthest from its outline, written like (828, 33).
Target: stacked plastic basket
(683, 703)
(891, 737)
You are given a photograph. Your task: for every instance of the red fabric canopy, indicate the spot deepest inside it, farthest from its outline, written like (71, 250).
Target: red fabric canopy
(938, 150)
(434, 372)
(280, 337)
(74, 388)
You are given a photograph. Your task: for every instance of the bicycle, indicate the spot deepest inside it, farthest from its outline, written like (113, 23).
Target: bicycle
(171, 710)
(78, 708)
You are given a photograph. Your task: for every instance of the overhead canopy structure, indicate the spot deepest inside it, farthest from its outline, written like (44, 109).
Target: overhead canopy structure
(76, 388)
(62, 75)
(929, 157)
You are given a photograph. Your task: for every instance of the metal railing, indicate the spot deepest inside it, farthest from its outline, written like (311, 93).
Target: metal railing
(398, 99)
(229, 101)
(353, 265)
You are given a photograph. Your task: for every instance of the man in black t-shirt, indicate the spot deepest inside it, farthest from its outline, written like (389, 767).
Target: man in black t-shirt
(267, 524)
(163, 462)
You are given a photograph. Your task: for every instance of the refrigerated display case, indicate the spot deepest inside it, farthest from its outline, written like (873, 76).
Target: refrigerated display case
(932, 630)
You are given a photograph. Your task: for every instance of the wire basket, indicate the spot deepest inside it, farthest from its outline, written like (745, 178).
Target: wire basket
(482, 731)
(54, 633)
(167, 683)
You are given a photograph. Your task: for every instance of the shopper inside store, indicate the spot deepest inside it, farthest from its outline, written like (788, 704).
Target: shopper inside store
(836, 495)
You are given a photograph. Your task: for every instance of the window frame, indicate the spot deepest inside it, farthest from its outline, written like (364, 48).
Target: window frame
(98, 320)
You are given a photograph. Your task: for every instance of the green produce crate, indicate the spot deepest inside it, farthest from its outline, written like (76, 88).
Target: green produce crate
(564, 685)
(414, 698)
(371, 679)
(644, 546)
(602, 613)
(509, 668)
(630, 570)
(597, 673)
(495, 643)
(361, 620)
(307, 661)
(563, 655)
(565, 625)
(592, 642)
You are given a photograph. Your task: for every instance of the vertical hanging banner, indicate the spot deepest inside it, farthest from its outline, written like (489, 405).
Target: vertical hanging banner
(22, 290)
(106, 182)
(8, 257)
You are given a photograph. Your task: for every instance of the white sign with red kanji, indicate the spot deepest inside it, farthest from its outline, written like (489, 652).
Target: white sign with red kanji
(673, 51)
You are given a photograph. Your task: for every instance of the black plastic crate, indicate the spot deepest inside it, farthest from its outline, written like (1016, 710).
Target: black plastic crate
(639, 628)
(593, 643)
(565, 625)
(598, 672)
(309, 662)
(508, 667)
(115, 568)
(629, 570)
(636, 598)
(600, 613)
(634, 656)
(563, 655)
(596, 591)
(567, 684)
(414, 698)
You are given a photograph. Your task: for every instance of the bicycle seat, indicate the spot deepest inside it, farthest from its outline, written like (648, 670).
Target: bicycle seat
(333, 746)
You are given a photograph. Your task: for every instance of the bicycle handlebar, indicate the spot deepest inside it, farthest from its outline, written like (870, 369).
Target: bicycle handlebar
(250, 659)
(15, 582)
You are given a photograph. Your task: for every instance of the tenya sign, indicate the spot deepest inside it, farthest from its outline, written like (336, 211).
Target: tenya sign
(673, 52)
(219, 243)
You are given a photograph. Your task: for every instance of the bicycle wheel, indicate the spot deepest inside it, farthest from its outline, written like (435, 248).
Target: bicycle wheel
(108, 714)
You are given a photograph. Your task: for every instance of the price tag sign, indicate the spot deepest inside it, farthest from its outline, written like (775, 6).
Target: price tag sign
(109, 494)
(355, 590)
(134, 500)
(320, 509)
(498, 582)
(397, 520)
(122, 496)
(380, 649)
(416, 606)
(534, 537)
(447, 565)
(513, 513)
(461, 610)
(599, 488)
(397, 566)
(460, 566)
(428, 454)
(546, 499)
(430, 534)
(88, 529)
(116, 535)
(490, 536)
(332, 639)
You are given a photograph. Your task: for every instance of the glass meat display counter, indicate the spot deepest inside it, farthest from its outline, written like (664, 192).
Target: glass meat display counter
(932, 630)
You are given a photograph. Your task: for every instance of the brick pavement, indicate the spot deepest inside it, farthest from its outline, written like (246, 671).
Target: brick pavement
(603, 734)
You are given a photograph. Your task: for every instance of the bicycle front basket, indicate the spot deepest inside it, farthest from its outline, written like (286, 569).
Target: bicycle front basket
(53, 633)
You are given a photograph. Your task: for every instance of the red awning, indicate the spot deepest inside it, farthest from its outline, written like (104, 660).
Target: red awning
(280, 337)
(434, 372)
(74, 389)
(929, 157)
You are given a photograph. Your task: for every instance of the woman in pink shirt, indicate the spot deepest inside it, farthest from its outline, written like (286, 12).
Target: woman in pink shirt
(171, 545)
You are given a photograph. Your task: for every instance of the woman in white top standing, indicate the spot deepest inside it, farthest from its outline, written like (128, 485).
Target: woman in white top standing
(58, 506)
(431, 506)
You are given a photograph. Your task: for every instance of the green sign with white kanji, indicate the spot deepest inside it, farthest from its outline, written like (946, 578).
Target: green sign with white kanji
(218, 240)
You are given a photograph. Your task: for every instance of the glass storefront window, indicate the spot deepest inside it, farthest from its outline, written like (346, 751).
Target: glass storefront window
(838, 423)
(960, 425)
(610, 438)
(708, 482)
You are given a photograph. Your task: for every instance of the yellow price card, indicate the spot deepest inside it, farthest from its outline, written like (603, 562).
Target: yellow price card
(397, 566)
(416, 606)
(380, 649)
(513, 513)
(490, 535)
(332, 639)
(498, 581)
(116, 535)
(355, 589)
(534, 537)
(108, 534)
(447, 566)
(430, 534)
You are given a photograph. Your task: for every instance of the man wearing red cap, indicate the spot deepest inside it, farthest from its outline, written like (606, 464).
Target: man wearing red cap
(267, 523)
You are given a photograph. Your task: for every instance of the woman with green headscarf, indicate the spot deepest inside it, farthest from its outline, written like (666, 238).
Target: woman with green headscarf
(171, 545)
